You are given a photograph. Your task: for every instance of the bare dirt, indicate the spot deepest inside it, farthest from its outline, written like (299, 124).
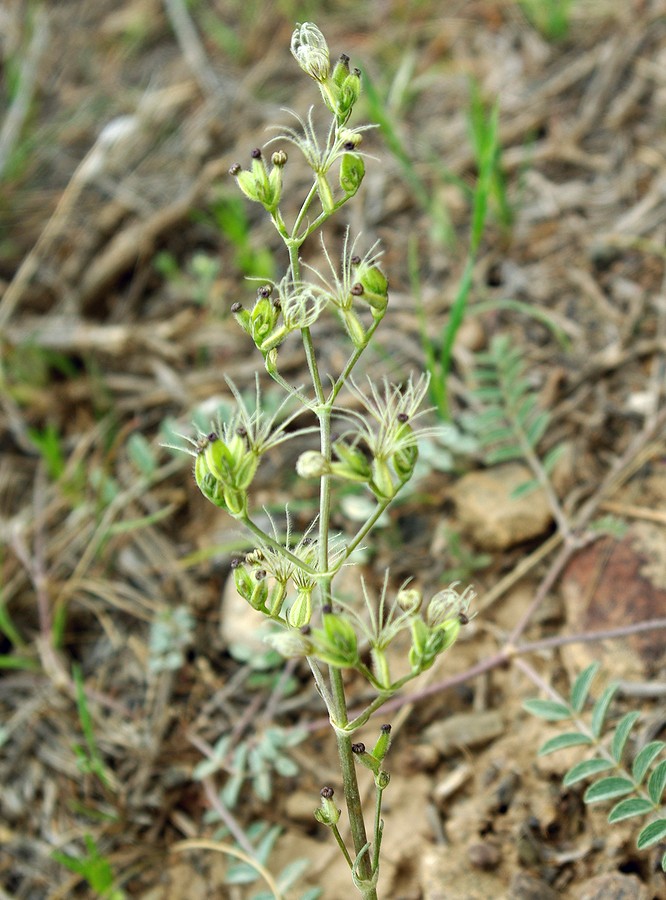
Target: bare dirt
(113, 201)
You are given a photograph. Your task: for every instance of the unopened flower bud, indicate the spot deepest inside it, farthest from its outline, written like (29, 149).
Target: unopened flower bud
(279, 158)
(312, 464)
(351, 138)
(310, 50)
(289, 643)
(409, 599)
(352, 170)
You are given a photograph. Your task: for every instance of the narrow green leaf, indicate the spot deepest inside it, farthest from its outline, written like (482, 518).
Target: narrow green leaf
(652, 834)
(569, 739)
(497, 434)
(608, 789)
(622, 733)
(488, 394)
(504, 454)
(525, 409)
(625, 809)
(549, 710)
(553, 456)
(600, 710)
(657, 782)
(585, 769)
(581, 686)
(525, 488)
(644, 759)
(538, 428)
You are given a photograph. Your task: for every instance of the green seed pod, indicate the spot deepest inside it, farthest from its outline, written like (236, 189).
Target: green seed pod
(341, 70)
(350, 91)
(301, 609)
(382, 482)
(352, 170)
(325, 194)
(264, 317)
(366, 759)
(218, 459)
(354, 328)
(336, 643)
(243, 579)
(246, 469)
(327, 814)
(235, 502)
(276, 599)
(248, 185)
(212, 490)
(383, 743)
(242, 316)
(382, 779)
(352, 463)
(404, 461)
(259, 593)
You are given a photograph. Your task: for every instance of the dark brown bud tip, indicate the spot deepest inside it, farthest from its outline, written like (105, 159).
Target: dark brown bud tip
(356, 71)
(260, 574)
(349, 145)
(256, 153)
(326, 793)
(327, 609)
(402, 418)
(463, 619)
(357, 289)
(358, 748)
(265, 290)
(212, 436)
(355, 260)
(385, 729)
(236, 307)
(344, 58)
(235, 169)
(236, 562)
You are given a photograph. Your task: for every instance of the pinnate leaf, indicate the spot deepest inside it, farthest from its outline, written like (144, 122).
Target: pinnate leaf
(608, 789)
(562, 741)
(625, 809)
(657, 782)
(549, 710)
(601, 709)
(585, 769)
(621, 735)
(581, 686)
(652, 834)
(644, 759)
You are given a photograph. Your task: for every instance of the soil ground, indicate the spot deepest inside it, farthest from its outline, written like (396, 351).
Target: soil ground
(123, 244)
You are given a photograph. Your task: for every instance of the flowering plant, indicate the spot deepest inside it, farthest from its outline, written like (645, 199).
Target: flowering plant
(292, 582)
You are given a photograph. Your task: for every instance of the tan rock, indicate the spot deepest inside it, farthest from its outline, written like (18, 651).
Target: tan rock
(491, 516)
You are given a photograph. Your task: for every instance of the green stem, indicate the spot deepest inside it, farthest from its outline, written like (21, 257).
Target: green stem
(366, 527)
(350, 782)
(379, 827)
(351, 362)
(280, 548)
